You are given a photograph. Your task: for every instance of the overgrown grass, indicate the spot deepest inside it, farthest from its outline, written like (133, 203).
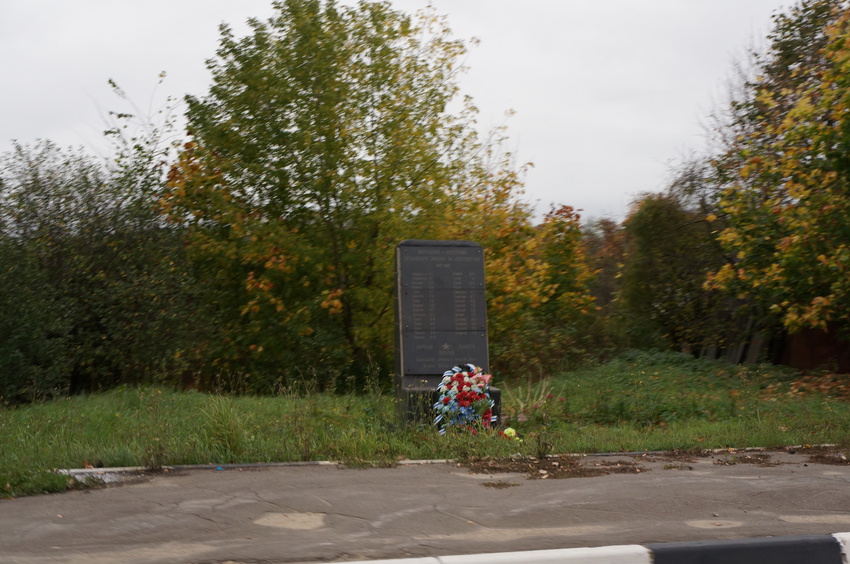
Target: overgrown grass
(637, 402)
(657, 401)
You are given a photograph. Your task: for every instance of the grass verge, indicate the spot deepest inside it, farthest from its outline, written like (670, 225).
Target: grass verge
(638, 402)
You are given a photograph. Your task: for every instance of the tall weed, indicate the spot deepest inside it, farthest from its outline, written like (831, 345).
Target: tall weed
(223, 429)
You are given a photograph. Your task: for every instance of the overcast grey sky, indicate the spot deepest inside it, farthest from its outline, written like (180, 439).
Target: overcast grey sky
(606, 93)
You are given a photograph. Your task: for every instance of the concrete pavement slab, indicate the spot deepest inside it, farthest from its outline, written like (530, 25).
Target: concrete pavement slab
(326, 513)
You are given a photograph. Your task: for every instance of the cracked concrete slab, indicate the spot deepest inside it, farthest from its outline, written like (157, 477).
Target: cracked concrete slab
(325, 513)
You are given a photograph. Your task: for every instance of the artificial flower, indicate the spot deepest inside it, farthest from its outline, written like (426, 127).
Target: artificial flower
(464, 399)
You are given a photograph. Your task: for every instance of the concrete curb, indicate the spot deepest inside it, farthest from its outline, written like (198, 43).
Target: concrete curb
(75, 472)
(803, 549)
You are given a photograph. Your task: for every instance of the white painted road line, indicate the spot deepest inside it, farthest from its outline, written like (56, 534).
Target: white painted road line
(621, 554)
(804, 549)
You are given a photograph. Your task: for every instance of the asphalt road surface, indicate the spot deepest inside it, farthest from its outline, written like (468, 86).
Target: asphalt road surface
(321, 513)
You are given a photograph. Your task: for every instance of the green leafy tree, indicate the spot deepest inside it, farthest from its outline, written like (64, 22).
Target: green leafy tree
(34, 358)
(94, 273)
(604, 245)
(325, 139)
(669, 251)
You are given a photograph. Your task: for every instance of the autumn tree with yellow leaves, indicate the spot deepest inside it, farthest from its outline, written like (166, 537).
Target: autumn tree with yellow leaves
(786, 215)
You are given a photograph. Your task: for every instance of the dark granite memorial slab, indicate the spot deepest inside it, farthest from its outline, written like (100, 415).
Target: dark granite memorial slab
(441, 316)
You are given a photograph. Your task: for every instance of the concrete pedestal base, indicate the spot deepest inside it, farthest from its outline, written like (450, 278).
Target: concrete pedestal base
(416, 405)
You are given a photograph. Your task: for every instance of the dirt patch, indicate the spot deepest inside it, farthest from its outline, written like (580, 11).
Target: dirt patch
(677, 466)
(553, 467)
(834, 458)
(499, 484)
(680, 455)
(829, 454)
(757, 459)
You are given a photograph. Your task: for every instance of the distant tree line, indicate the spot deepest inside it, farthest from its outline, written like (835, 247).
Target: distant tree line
(258, 255)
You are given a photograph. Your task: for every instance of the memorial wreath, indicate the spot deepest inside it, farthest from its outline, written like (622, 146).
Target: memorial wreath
(464, 399)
